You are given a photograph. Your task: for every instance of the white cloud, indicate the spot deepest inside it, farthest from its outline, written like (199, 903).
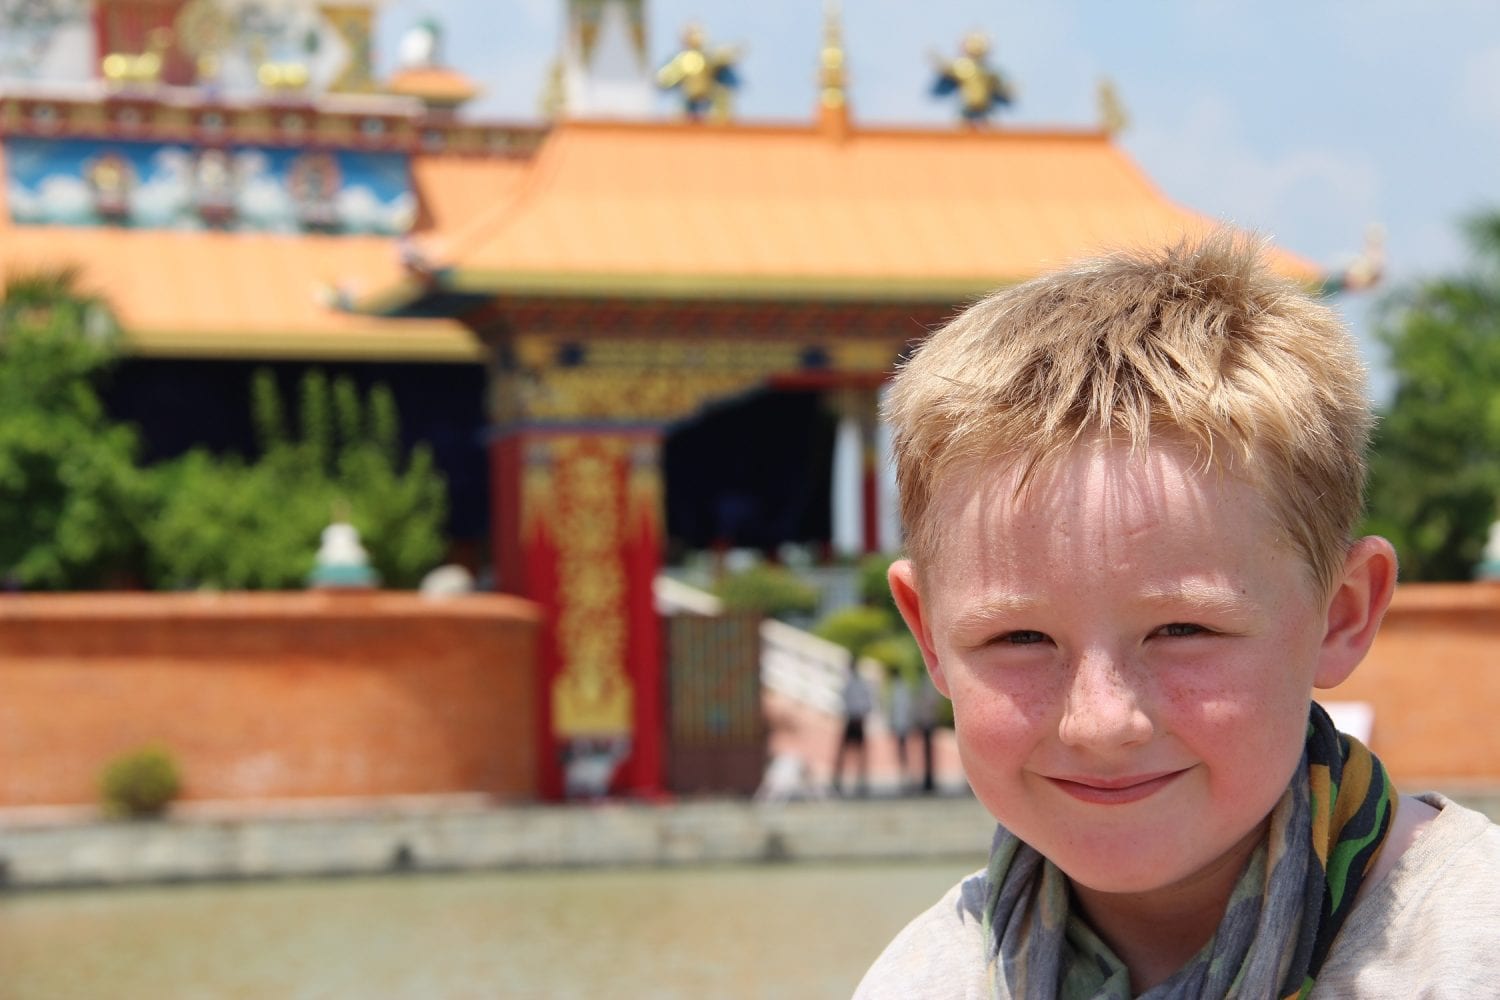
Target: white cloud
(21, 204)
(262, 203)
(260, 199)
(250, 164)
(361, 211)
(65, 199)
(166, 199)
(401, 213)
(1310, 198)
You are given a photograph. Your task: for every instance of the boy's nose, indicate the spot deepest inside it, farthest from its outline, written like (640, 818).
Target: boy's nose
(1103, 707)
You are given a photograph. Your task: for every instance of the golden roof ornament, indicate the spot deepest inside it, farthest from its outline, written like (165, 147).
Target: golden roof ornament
(276, 75)
(1364, 271)
(705, 79)
(1113, 118)
(205, 32)
(833, 72)
(833, 76)
(980, 88)
(127, 68)
(553, 99)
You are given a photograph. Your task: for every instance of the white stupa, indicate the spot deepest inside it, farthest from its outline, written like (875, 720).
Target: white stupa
(1489, 561)
(342, 561)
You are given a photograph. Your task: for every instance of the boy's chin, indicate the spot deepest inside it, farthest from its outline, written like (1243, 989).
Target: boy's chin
(1116, 879)
(1116, 873)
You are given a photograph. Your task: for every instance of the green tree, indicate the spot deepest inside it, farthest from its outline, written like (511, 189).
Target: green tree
(768, 589)
(1435, 467)
(858, 627)
(71, 496)
(225, 522)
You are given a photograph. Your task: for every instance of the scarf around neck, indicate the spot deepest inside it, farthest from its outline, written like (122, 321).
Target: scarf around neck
(1284, 911)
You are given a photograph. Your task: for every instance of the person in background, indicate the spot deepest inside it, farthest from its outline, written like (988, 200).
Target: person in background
(898, 717)
(859, 701)
(925, 705)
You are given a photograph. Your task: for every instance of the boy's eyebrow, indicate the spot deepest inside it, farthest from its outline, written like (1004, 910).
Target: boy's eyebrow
(991, 607)
(1200, 595)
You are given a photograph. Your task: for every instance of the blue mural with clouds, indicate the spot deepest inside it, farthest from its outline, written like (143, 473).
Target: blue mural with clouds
(153, 185)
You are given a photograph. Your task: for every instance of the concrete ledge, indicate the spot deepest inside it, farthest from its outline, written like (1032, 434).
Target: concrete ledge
(462, 835)
(41, 854)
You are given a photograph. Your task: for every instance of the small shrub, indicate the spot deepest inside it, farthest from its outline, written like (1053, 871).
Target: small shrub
(857, 627)
(901, 653)
(873, 588)
(140, 783)
(771, 590)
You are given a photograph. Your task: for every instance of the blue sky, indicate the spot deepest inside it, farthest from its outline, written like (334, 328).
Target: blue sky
(1305, 121)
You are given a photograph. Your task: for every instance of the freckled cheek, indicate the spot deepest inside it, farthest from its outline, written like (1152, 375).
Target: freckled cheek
(1233, 717)
(994, 711)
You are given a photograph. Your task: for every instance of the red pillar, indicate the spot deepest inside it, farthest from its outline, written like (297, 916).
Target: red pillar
(579, 530)
(870, 489)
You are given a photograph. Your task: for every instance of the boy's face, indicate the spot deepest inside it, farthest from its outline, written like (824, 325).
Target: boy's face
(1130, 648)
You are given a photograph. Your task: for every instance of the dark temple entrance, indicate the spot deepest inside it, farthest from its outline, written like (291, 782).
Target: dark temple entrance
(754, 472)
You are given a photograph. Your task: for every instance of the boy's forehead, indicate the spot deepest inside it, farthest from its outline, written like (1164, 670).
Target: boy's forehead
(1113, 486)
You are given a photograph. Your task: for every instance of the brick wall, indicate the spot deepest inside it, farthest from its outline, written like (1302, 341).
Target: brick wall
(1433, 679)
(269, 695)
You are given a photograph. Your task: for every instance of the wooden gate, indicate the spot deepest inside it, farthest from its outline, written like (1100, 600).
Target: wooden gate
(715, 726)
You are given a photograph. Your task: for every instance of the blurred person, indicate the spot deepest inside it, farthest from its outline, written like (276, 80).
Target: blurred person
(898, 716)
(859, 702)
(926, 703)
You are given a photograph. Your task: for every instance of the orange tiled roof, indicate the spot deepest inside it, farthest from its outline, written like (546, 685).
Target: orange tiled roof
(626, 208)
(619, 208)
(258, 294)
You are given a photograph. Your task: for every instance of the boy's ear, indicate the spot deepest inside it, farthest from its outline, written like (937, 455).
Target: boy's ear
(903, 580)
(1356, 608)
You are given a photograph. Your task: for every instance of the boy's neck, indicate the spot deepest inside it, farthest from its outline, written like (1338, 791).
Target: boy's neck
(1158, 932)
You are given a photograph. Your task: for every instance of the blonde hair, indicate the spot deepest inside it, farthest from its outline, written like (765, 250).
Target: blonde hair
(1197, 342)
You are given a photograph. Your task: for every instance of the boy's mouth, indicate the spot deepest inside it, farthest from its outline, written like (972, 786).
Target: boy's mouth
(1116, 790)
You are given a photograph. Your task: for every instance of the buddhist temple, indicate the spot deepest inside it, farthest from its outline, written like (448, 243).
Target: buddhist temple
(628, 333)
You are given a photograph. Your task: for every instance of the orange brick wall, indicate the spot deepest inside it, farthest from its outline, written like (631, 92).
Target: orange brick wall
(270, 695)
(1433, 678)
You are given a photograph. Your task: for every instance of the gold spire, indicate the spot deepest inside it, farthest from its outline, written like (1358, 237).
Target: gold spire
(833, 74)
(1112, 115)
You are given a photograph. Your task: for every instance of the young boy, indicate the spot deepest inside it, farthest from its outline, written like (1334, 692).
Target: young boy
(1129, 490)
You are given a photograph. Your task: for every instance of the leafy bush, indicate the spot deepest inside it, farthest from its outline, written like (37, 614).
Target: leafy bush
(876, 631)
(223, 522)
(858, 627)
(140, 783)
(900, 652)
(71, 495)
(873, 587)
(78, 512)
(771, 590)
(1434, 477)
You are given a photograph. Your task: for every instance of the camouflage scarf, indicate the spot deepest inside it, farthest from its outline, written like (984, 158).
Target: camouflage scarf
(1283, 914)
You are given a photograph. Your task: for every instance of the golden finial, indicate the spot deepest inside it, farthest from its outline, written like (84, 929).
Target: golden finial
(833, 76)
(554, 97)
(1112, 115)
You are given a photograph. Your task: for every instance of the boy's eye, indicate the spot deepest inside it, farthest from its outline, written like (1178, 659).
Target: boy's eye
(1022, 637)
(1181, 629)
